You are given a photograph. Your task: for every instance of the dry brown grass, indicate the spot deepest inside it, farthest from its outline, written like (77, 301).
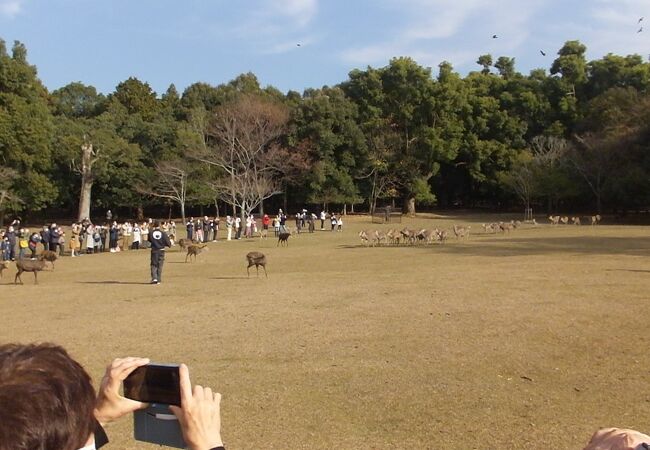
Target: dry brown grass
(528, 340)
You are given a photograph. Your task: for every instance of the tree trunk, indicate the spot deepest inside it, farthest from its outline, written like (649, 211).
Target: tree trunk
(345, 209)
(410, 206)
(262, 208)
(183, 212)
(86, 171)
(84, 198)
(285, 200)
(139, 213)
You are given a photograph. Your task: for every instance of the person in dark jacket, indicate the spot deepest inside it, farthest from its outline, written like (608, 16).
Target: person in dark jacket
(114, 234)
(54, 237)
(11, 237)
(34, 239)
(158, 240)
(189, 227)
(45, 237)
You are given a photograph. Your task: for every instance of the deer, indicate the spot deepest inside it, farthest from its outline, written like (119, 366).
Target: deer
(256, 259)
(283, 238)
(48, 255)
(564, 220)
(4, 265)
(194, 250)
(366, 236)
(555, 220)
(393, 236)
(184, 243)
(461, 232)
(575, 220)
(29, 265)
(595, 220)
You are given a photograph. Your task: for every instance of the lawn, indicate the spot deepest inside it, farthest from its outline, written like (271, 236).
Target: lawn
(532, 339)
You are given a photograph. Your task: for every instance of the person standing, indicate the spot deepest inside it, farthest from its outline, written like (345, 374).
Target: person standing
(113, 235)
(158, 240)
(189, 227)
(74, 243)
(238, 228)
(90, 239)
(34, 239)
(323, 216)
(206, 229)
(229, 227)
(266, 221)
(249, 227)
(45, 237)
(54, 237)
(137, 236)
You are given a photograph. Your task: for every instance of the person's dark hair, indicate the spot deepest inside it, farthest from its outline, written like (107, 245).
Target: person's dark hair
(46, 397)
(156, 223)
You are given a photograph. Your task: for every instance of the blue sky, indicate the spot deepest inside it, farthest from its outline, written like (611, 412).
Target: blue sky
(103, 42)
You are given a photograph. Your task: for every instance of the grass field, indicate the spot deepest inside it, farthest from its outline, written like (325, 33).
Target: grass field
(529, 340)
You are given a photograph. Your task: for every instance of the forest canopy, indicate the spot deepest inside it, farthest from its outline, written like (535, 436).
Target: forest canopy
(574, 136)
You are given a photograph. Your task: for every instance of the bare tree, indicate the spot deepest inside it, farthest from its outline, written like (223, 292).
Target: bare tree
(521, 178)
(593, 157)
(245, 146)
(548, 150)
(171, 182)
(250, 191)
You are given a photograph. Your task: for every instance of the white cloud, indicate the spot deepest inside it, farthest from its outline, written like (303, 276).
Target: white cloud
(453, 30)
(615, 28)
(301, 12)
(10, 8)
(277, 27)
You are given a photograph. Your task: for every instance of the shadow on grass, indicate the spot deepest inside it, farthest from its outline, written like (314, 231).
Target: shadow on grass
(507, 246)
(628, 270)
(112, 282)
(228, 278)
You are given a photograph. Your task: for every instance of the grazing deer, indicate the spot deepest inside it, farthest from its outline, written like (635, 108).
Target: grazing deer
(48, 255)
(564, 220)
(256, 259)
(575, 220)
(442, 236)
(29, 265)
(408, 235)
(4, 265)
(379, 236)
(195, 250)
(365, 236)
(555, 220)
(488, 228)
(283, 238)
(184, 243)
(393, 236)
(461, 232)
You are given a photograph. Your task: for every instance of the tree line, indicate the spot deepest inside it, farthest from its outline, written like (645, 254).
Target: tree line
(575, 137)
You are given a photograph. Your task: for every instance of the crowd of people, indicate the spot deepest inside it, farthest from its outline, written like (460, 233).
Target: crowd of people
(86, 237)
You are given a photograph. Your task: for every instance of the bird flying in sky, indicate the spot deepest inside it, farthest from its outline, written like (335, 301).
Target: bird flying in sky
(494, 36)
(542, 52)
(640, 20)
(640, 30)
